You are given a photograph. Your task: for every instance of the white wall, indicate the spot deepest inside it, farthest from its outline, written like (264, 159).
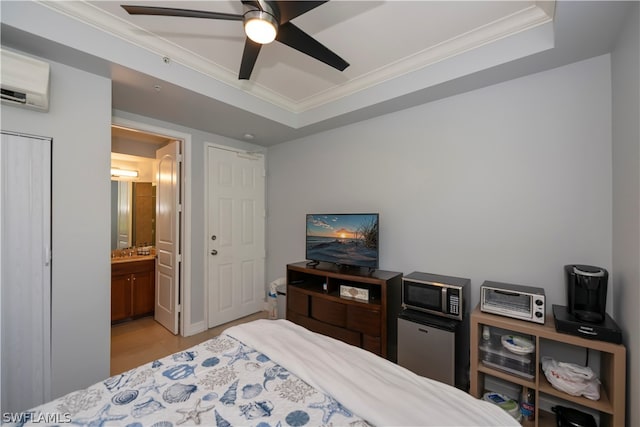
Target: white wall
(79, 122)
(626, 199)
(505, 183)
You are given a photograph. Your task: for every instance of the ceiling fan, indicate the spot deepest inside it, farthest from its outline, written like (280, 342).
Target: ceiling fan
(264, 21)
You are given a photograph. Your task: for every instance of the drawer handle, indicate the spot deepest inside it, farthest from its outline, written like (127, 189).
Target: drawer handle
(423, 330)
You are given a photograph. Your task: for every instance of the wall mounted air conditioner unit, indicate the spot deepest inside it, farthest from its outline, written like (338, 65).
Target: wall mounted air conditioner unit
(24, 81)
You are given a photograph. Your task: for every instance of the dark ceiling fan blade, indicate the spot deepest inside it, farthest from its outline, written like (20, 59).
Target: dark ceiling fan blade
(186, 13)
(294, 37)
(293, 9)
(249, 57)
(256, 4)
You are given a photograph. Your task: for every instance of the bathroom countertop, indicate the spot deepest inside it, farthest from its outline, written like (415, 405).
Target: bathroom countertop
(132, 258)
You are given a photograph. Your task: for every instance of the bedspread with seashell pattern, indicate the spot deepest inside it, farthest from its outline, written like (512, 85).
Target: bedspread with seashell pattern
(221, 382)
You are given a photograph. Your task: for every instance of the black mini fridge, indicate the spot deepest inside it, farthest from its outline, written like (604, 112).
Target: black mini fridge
(434, 347)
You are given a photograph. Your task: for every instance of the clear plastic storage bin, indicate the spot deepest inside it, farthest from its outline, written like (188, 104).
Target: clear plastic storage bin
(497, 350)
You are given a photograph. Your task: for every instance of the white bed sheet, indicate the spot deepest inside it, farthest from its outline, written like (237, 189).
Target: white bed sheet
(379, 391)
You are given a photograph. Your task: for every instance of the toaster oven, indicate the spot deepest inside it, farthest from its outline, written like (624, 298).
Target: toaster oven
(516, 301)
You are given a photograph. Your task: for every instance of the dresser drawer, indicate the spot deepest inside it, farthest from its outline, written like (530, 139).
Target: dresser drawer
(372, 344)
(345, 335)
(297, 302)
(330, 312)
(364, 319)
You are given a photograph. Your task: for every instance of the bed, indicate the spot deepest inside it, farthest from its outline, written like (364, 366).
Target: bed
(269, 373)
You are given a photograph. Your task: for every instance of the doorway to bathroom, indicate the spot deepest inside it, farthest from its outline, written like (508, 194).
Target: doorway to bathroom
(150, 213)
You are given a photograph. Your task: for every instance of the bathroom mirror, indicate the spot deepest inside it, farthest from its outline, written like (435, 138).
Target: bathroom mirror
(133, 198)
(133, 216)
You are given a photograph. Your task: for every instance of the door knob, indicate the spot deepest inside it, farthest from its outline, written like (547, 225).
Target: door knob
(214, 252)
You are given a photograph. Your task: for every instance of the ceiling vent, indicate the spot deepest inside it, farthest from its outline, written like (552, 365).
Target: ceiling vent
(24, 81)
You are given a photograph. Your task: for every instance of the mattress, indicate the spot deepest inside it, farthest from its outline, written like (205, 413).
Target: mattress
(268, 373)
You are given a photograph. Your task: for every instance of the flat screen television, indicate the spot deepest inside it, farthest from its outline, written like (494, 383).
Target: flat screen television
(343, 239)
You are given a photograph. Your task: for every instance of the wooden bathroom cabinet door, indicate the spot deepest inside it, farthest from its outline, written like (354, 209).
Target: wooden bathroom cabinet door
(132, 289)
(143, 291)
(120, 297)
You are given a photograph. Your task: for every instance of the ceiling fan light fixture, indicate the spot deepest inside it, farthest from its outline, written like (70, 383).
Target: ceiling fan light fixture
(260, 26)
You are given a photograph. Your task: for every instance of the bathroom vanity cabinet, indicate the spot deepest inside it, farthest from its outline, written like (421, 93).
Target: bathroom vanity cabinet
(132, 289)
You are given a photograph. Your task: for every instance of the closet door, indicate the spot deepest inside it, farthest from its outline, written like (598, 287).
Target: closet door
(25, 266)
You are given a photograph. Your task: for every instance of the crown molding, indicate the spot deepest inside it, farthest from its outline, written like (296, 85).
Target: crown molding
(540, 13)
(518, 22)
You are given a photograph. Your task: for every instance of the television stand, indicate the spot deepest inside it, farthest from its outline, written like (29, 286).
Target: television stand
(346, 268)
(314, 301)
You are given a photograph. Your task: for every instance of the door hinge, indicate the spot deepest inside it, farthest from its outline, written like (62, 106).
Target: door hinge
(180, 208)
(179, 157)
(179, 308)
(179, 257)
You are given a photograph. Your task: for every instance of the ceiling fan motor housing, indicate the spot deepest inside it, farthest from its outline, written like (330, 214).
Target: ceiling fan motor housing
(260, 22)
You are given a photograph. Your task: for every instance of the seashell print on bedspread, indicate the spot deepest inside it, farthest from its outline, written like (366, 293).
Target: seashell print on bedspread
(221, 382)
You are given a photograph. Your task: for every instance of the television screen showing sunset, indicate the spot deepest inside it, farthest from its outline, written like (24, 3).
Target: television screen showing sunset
(348, 239)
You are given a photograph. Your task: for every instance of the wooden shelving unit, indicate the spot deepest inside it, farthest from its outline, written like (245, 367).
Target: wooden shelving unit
(611, 405)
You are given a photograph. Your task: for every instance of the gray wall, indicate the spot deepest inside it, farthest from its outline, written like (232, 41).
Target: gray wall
(626, 199)
(79, 122)
(505, 183)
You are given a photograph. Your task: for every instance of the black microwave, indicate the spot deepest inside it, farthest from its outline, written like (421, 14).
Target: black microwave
(444, 296)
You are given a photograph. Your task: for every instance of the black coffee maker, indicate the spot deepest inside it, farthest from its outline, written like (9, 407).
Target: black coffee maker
(587, 292)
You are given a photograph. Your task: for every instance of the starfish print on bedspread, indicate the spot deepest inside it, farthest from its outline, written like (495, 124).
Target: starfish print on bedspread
(193, 413)
(153, 387)
(240, 354)
(329, 407)
(100, 418)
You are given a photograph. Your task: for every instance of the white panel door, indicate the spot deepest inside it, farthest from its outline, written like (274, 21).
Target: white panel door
(235, 234)
(25, 284)
(168, 218)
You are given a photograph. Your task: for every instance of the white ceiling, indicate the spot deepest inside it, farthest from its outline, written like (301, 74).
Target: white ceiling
(402, 53)
(404, 37)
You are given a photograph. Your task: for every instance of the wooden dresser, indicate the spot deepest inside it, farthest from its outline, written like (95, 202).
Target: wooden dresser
(314, 301)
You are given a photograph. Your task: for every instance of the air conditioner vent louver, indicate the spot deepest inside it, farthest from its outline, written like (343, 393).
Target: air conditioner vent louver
(14, 96)
(24, 81)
